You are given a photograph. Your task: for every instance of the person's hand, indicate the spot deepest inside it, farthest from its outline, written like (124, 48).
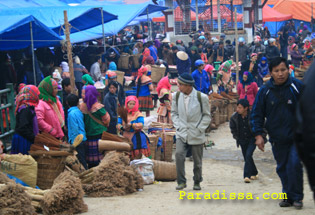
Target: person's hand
(260, 143)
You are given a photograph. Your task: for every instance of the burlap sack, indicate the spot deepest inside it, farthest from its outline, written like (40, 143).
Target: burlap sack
(21, 166)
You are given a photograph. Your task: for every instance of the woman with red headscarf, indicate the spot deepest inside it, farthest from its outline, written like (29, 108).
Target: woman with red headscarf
(164, 93)
(144, 88)
(49, 111)
(132, 129)
(96, 120)
(26, 127)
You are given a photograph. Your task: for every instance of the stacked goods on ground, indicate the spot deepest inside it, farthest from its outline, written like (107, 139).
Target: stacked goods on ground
(112, 177)
(65, 197)
(222, 107)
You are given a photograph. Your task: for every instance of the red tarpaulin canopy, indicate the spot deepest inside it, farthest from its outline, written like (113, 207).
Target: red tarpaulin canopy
(271, 15)
(202, 16)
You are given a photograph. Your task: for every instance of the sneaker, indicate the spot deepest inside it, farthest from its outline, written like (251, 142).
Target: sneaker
(181, 186)
(246, 180)
(196, 186)
(285, 203)
(254, 177)
(298, 204)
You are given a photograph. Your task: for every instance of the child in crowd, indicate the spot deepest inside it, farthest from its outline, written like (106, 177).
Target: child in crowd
(110, 102)
(26, 127)
(66, 90)
(133, 129)
(164, 92)
(263, 70)
(96, 120)
(240, 128)
(76, 126)
(144, 88)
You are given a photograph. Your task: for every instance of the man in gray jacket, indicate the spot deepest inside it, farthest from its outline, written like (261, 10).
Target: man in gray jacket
(191, 116)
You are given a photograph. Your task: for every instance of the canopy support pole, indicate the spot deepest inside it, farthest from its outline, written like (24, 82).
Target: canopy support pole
(69, 52)
(149, 27)
(33, 54)
(219, 16)
(236, 48)
(103, 31)
(197, 17)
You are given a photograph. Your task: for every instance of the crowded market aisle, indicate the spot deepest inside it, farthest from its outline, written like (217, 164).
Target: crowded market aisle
(222, 170)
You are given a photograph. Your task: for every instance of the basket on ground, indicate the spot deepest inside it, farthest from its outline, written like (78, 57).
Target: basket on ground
(50, 165)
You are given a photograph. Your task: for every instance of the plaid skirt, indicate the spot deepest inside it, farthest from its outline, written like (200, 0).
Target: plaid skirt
(145, 103)
(92, 155)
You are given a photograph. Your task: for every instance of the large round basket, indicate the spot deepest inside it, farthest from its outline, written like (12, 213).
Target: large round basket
(164, 171)
(50, 165)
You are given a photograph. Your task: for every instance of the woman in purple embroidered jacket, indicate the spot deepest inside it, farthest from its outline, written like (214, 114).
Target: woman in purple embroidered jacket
(26, 127)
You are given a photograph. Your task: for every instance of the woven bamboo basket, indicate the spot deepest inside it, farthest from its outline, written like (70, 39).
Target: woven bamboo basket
(161, 125)
(153, 147)
(168, 141)
(157, 73)
(164, 171)
(135, 61)
(123, 61)
(120, 77)
(216, 117)
(50, 165)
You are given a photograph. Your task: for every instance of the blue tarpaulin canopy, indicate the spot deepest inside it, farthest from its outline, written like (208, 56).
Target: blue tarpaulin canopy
(15, 33)
(126, 13)
(80, 18)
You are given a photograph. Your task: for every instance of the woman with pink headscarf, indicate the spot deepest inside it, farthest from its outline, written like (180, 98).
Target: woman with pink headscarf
(164, 93)
(132, 129)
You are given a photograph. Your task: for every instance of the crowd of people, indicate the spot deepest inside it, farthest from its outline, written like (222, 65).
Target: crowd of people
(262, 108)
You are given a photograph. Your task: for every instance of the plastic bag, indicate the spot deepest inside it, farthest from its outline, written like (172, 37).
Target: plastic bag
(145, 167)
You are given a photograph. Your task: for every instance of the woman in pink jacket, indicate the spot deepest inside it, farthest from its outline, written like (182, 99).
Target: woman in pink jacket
(247, 88)
(49, 111)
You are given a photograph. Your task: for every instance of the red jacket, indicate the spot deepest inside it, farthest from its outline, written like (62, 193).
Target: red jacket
(251, 92)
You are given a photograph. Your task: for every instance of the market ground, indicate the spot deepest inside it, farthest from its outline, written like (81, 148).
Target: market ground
(222, 171)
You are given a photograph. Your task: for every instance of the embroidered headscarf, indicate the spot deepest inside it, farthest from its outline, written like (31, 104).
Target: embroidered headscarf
(146, 53)
(20, 87)
(28, 96)
(149, 60)
(226, 66)
(91, 95)
(112, 66)
(135, 108)
(306, 46)
(249, 79)
(209, 68)
(46, 89)
(163, 83)
(141, 72)
(88, 80)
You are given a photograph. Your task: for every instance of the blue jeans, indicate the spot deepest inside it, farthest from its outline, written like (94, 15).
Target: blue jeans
(289, 169)
(248, 147)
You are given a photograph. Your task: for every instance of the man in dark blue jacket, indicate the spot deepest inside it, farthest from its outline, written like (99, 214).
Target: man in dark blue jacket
(276, 102)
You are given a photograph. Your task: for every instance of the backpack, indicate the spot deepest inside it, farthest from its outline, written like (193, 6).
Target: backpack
(201, 108)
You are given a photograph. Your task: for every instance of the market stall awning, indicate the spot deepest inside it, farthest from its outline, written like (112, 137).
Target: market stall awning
(15, 33)
(271, 15)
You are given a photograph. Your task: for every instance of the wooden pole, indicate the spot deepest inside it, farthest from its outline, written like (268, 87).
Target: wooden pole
(197, 17)
(69, 52)
(219, 16)
(33, 54)
(236, 48)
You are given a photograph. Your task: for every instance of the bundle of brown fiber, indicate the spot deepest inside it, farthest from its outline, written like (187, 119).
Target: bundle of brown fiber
(114, 177)
(13, 198)
(65, 196)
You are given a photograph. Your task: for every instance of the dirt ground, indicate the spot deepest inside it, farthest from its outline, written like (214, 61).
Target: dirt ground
(222, 171)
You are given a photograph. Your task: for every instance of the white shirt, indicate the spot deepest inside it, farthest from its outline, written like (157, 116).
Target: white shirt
(186, 101)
